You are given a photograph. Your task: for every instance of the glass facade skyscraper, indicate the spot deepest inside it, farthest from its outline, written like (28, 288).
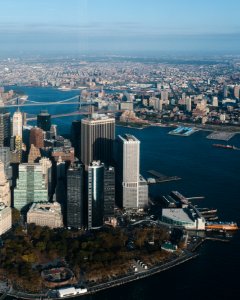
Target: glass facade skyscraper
(5, 128)
(44, 120)
(75, 200)
(95, 194)
(31, 186)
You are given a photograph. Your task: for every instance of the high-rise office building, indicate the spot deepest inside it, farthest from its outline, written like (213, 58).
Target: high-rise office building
(215, 101)
(5, 194)
(132, 191)
(46, 165)
(36, 137)
(129, 151)
(75, 200)
(95, 193)
(5, 218)
(142, 192)
(97, 137)
(109, 192)
(5, 158)
(188, 104)
(164, 95)
(31, 186)
(18, 148)
(76, 137)
(34, 154)
(17, 124)
(44, 120)
(5, 129)
(225, 91)
(236, 90)
(53, 131)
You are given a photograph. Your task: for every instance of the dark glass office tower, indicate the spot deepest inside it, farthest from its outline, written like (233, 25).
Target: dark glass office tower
(75, 203)
(97, 137)
(109, 192)
(95, 194)
(44, 120)
(76, 137)
(5, 128)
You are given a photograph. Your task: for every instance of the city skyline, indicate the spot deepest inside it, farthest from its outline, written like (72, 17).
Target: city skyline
(127, 27)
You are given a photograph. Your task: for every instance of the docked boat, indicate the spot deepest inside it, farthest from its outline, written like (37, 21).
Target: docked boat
(221, 226)
(205, 211)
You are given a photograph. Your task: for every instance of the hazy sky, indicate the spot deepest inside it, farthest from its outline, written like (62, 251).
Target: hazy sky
(111, 26)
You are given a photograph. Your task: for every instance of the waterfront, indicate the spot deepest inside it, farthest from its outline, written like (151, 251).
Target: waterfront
(205, 171)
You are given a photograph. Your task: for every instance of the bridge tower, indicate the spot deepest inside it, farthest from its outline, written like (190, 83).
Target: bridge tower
(79, 102)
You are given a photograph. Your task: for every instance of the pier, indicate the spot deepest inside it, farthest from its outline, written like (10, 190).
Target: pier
(160, 178)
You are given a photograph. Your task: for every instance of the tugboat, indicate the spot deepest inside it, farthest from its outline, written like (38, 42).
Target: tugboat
(225, 146)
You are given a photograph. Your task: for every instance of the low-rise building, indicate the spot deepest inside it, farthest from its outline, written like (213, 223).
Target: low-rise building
(45, 214)
(187, 217)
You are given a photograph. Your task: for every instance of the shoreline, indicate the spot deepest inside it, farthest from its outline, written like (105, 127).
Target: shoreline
(184, 257)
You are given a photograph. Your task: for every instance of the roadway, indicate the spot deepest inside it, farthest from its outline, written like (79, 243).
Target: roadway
(75, 113)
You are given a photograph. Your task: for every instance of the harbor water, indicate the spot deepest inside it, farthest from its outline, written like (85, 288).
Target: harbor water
(205, 171)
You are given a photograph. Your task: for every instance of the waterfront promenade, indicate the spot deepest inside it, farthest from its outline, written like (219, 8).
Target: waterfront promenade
(163, 266)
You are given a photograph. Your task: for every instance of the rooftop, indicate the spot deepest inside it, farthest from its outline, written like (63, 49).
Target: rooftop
(177, 214)
(128, 138)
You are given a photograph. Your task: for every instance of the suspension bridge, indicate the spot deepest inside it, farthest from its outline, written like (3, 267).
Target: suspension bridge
(70, 101)
(16, 103)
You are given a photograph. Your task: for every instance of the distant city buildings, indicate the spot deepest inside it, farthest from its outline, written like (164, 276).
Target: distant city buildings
(88, 175)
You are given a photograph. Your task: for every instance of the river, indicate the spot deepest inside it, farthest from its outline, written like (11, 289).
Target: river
(205, 171)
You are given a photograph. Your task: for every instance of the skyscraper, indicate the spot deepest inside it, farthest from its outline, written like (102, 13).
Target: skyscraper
(75, 200)
(132, 188)
(34, 154)
(188, 104)
(46, 165)
(76, 137)
(128, 169)
(5, 158)
(97, 137)
(44, 120)
(31, 186)
(95, 191)
(18, 148)
(236, 90)
(5, 194)
(5, 218)
(109, 192)
(5, 129)
(17, 124)
(36, 137)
